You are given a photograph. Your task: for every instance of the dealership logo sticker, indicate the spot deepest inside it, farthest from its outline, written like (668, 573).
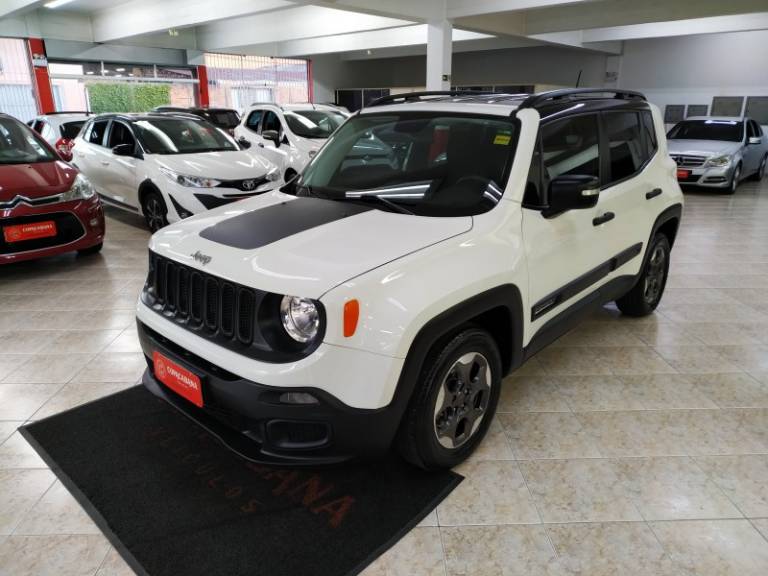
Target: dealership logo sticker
(200, 257)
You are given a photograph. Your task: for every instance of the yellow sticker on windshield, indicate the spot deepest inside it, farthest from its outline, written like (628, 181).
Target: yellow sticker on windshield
(502, 139)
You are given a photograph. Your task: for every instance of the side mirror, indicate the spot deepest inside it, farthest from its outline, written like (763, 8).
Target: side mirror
(243, 143)
(271, 135)
(572, 192)
(124, 150)
(754, 140)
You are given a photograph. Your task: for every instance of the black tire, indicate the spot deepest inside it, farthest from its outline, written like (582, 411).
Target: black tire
(735, 179)
(646, 294)
(155, 211)
(758, 176)
(468, 407)
(95, 249)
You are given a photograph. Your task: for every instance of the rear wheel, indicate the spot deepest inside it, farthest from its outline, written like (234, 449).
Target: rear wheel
(457, 396)
(155, 210)
(646, 294)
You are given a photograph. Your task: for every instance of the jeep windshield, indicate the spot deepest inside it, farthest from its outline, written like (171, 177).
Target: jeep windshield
(427, 164)
(181, 136)
(725, 130)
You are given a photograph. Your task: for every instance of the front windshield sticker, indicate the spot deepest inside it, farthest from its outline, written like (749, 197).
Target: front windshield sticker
(502, 139)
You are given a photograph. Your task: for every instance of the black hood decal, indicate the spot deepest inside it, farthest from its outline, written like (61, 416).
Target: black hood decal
(258, 228)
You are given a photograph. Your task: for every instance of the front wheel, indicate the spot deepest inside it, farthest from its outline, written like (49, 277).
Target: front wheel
(454, 404)
(646, 294)
(155, 210)
(735, 179)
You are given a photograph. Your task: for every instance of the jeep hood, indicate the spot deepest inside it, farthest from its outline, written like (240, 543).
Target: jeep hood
(299, 246)
(702, 147)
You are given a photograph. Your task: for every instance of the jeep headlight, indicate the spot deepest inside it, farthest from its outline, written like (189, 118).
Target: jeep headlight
(190, 181)
(719, 161)
(81, 189)
(301, 318)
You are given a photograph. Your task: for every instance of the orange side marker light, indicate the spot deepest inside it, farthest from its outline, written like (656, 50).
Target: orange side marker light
(351, 316)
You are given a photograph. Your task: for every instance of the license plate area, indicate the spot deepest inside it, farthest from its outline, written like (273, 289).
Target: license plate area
(683, 174)
(186, 384)
(31, 231)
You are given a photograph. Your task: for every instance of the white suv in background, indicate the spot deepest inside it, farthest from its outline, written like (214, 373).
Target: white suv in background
(60, 129)
(168, 166)
(288, 135)
(369, 304)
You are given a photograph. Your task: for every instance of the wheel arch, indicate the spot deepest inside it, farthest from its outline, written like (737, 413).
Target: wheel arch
(145, 187)
(668, 223)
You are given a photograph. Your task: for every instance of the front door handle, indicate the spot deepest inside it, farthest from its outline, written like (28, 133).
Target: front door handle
(104, 163)
(653, 193)
(607, 217)
(261, 145)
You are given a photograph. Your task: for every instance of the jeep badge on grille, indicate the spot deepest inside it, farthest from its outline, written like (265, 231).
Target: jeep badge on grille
(200, 257)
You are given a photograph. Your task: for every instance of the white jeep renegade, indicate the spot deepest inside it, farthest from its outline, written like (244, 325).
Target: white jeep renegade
(436, 242)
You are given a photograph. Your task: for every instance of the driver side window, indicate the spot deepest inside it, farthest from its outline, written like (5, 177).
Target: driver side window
(271, 122)
(120, 134)
(571, 147)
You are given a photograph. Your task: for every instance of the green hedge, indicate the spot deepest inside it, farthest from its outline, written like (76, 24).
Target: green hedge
(123, 97)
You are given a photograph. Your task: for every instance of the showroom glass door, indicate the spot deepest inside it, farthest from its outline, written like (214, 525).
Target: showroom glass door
(17, 96)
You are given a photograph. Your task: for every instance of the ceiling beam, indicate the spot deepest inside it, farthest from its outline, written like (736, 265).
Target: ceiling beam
(414, 10)
(286, 25)
(464, 8)
(17, 7)
(148, 16)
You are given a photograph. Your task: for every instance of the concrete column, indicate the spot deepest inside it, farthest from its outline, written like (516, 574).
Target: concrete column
(439, 35)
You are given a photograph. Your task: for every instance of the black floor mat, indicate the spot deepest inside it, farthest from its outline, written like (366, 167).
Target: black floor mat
(176, 502)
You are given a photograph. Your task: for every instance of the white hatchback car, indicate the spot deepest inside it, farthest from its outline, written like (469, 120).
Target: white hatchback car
(288, 135)
(366, 304)
(168, 166)
(60, 129)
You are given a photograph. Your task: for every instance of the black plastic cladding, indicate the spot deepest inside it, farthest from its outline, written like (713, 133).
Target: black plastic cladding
(237, 317)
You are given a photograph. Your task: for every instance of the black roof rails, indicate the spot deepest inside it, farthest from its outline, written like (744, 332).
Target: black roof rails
(535, 100)
(417, 96)
(68, 112)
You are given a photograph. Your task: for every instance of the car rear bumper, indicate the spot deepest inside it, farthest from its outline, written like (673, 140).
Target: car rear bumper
(80, 225)
(262, 423)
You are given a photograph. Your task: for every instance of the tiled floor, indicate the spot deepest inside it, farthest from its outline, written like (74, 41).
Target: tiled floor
(635, 447)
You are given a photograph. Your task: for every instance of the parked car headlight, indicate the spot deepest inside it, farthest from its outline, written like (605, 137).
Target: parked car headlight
(82, 189)
(301, 318)
(719, 161)
(190, 181)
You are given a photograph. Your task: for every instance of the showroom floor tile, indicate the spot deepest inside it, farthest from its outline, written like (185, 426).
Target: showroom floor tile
(631, 446)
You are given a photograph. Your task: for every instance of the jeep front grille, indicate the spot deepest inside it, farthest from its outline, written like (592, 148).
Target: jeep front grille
(221, 311)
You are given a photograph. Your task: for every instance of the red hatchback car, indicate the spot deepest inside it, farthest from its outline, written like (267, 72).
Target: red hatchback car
(46, 206)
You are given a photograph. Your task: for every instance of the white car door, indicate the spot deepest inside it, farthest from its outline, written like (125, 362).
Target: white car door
(120, 178)
(248, 130)
(90, 154)
(563, 250)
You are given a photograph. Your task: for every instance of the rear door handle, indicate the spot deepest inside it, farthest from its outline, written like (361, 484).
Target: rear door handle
(607, 217)
(653, 193)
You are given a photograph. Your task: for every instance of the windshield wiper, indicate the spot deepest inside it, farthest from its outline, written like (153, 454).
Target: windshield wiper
(381, 200)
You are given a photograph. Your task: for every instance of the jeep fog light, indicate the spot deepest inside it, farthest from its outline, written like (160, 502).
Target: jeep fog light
(298, 398)
(300, 317)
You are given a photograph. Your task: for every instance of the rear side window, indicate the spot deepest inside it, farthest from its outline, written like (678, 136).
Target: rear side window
(96, 135)
(70, 130)
(253, 120)
(570, 146)
(627, 151)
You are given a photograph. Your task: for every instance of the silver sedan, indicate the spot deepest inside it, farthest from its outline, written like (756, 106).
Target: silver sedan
(718, 152)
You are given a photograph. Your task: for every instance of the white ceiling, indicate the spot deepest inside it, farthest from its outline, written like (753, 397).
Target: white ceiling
(307, 27)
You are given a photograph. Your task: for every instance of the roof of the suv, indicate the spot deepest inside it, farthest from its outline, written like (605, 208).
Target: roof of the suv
(717, 118)
(136, 116)
(505, 104)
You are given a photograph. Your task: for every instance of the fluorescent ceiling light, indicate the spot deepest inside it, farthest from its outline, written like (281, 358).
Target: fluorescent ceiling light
(120, 69)
(57, 3)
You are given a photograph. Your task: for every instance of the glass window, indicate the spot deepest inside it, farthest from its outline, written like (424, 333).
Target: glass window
(19, 145)
(313, 123)
(725, 130)
(16, 86)
(425, 163)
(181, 136)
(47, 133)
(120, 134)
(253, 120)
(533, 197)
(96, 135)
(70, 130)
(571, 146)
(650, 133)
(628, 153)
(271, 122)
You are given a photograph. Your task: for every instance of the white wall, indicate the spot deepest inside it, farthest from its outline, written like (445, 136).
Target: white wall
(694, 69)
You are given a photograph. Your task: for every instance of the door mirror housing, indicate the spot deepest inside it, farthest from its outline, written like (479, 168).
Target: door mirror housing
(124, 150)
(754, 140)
(271, 135)
(572, 192)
